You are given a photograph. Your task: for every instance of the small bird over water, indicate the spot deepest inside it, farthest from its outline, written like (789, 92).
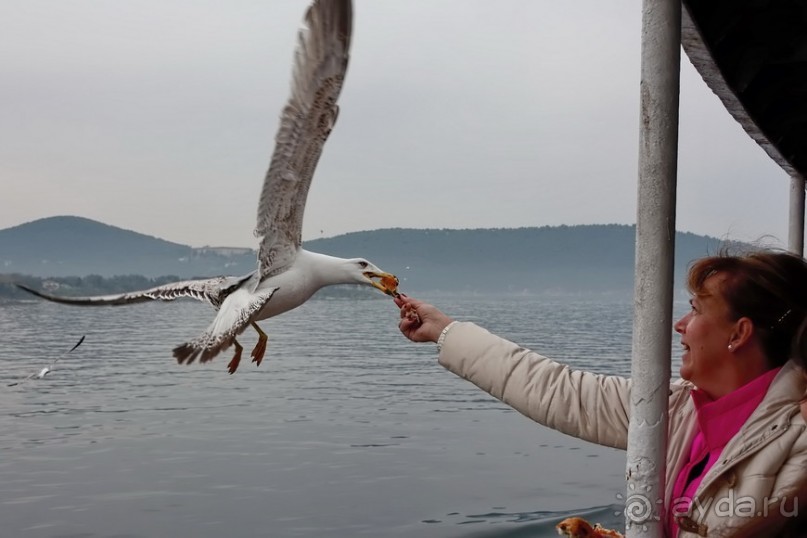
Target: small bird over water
(47, 369)
(287, 275)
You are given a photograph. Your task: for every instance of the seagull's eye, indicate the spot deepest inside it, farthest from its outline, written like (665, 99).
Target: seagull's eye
(363, 264)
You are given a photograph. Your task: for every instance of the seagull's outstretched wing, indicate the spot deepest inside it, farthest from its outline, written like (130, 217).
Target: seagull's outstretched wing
(210, 290)
(320, 63)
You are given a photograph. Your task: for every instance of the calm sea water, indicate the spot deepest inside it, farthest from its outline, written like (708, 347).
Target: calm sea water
(347, 429)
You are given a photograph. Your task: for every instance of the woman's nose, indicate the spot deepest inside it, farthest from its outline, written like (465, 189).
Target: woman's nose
(680, 325)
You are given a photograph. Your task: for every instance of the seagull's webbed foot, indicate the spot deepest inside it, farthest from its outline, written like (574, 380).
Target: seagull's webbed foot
(232, 366)
(260, 347)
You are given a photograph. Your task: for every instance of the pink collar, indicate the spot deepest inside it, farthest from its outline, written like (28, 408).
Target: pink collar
(721, 419)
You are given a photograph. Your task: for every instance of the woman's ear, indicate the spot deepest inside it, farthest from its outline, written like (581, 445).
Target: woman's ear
(742, 333)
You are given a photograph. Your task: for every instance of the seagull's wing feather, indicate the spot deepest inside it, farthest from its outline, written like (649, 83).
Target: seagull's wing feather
(52, 364)
(232, 318)
(206, 290)
(320, 63)
(23, 380)
(80, 340)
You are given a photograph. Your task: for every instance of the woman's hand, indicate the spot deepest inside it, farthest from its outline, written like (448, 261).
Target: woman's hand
(420, 322)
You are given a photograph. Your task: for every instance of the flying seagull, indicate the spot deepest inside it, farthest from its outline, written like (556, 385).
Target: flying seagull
(47, 369)
(287, 275)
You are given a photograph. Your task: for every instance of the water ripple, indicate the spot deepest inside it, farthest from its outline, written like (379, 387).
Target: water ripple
(346, 429)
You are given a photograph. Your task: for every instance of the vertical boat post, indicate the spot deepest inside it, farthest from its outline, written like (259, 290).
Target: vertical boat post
(795, 239)
(653, 287)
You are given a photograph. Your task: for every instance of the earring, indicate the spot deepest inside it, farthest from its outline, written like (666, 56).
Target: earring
(730, 347)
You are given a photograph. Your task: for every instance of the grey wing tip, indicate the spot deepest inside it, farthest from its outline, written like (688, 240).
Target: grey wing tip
(30, 290)
(79, 343)
(53, 298)
(339, 11)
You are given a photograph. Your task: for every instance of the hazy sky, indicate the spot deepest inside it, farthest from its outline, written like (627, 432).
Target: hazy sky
(160, 117)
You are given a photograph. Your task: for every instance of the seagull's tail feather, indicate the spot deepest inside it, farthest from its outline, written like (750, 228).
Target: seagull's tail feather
(233, 317)
(186, 353)
(207, 290)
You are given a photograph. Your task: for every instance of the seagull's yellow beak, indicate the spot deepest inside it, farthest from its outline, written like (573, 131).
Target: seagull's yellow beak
(388, 283)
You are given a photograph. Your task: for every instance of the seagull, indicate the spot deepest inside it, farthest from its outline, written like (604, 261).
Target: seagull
(47, 369)
(287, 275)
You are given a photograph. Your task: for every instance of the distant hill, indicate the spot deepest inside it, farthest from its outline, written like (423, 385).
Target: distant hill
(75, 246)
(562, 259)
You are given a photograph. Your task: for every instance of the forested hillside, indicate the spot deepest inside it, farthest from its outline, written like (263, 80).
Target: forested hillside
(562, 259)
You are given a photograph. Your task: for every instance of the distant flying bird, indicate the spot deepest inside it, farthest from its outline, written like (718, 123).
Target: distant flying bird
(287, 275)
(47, 369)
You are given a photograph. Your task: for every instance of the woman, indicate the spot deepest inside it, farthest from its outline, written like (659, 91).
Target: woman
(737, 447)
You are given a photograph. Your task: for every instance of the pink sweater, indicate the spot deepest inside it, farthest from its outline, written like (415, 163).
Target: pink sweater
(718, 421)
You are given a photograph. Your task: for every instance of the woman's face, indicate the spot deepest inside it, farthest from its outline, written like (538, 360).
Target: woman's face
(705, 334)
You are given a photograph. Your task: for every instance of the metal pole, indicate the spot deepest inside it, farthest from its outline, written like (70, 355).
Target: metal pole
(795, 238)
(653, 289)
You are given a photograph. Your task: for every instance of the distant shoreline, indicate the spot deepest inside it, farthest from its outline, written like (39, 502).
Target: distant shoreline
(562, 261)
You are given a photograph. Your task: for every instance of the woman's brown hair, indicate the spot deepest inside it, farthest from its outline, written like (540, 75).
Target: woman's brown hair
(768, 287)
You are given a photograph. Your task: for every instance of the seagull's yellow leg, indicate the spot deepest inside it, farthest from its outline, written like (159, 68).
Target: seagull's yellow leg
(260, 347)
(233, 364)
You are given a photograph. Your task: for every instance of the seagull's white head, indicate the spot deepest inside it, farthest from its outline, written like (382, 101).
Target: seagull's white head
(330, 270)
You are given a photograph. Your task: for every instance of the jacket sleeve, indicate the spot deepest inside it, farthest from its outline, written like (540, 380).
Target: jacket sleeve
(589, 406)
(790, 488)
(783, 507)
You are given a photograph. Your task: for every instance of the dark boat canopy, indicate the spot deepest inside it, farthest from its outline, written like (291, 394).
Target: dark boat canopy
(753, 55)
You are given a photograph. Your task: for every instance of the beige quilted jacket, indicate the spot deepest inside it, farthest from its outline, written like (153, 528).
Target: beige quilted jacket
(761, 471)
